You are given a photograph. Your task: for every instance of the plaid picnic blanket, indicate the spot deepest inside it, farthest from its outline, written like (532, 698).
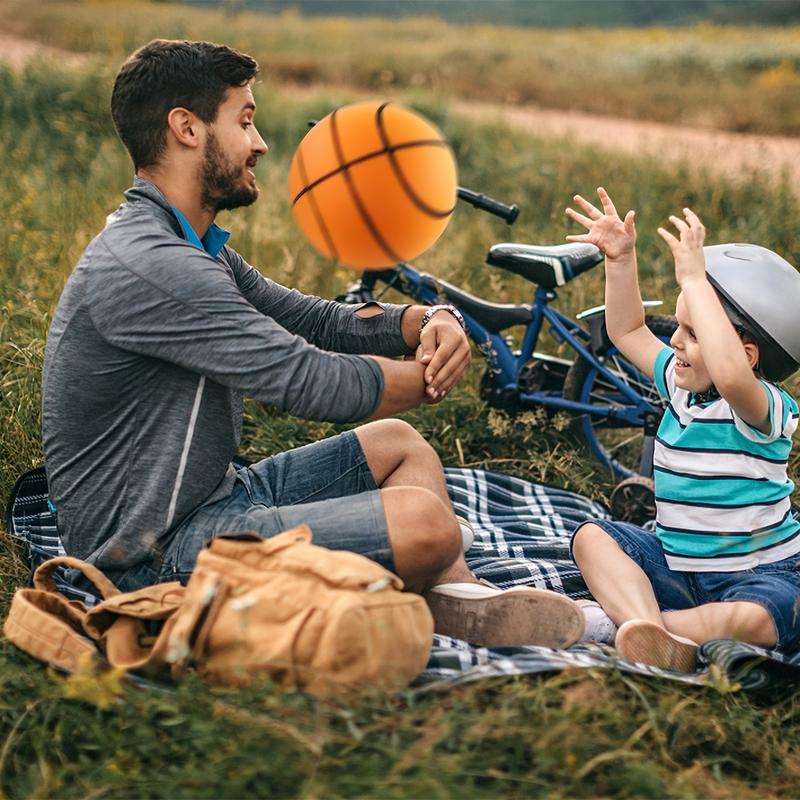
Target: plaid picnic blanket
(522, 533)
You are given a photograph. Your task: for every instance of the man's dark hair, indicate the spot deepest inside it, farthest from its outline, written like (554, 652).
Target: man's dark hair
(166, 74)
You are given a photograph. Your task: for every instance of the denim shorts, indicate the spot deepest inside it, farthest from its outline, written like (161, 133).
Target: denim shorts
(775, 587)
(327, 485)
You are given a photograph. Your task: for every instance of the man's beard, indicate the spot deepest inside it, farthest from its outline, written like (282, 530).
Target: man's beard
(222, 184)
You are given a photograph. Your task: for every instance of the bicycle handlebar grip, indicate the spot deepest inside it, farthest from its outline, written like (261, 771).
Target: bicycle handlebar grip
(481, 201)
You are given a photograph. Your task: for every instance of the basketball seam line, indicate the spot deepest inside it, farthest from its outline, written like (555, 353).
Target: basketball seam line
(368, 221)
(316, 212)
(345, 165)
(400, 175)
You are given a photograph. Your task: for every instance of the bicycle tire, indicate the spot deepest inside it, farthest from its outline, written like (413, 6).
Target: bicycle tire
(616, 445)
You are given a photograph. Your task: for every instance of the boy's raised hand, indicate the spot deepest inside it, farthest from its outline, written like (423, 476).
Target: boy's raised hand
(614, 236)
(690, 261)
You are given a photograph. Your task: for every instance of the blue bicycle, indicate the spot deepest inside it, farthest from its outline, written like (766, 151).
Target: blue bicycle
(617, 409)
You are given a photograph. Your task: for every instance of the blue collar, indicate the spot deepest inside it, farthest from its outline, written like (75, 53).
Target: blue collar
(213, 240)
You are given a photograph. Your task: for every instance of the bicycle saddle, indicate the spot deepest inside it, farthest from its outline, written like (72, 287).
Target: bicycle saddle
(494, 316)
(545, 266)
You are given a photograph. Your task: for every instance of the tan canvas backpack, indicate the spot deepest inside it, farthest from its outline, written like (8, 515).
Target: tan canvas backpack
(312, 618)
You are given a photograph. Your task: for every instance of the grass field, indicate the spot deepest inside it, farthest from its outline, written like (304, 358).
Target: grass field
(735, 78)
(569, 735)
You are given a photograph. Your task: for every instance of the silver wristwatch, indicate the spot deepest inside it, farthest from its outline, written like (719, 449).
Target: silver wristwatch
(426, 317)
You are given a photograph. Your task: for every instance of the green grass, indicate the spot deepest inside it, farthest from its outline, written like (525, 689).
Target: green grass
(736, 78)
(564, 736)
(569, 735)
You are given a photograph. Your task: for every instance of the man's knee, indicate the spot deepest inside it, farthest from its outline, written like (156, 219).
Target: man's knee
(390, 444)
(396, 435)
(397, 429)
(424, 533)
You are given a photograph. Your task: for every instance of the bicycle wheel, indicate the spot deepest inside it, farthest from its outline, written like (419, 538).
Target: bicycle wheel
(615, 443)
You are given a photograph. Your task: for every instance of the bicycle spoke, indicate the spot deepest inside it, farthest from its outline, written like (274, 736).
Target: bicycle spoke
(617, 439)
(621, 442)
(641, 385)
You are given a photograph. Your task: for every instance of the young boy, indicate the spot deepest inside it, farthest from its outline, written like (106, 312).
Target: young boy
(725, 563)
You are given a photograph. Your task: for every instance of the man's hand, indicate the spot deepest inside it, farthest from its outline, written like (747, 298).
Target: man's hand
(444, 350)
(690, 261)
(614, 236)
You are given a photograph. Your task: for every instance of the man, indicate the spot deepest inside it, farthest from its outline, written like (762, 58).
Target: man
(162, 328)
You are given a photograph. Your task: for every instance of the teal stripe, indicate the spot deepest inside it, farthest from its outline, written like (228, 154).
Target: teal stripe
(723, 493)
(723, 435)
(771, 399)
(700, 545)
(658, 371)
(789, 405)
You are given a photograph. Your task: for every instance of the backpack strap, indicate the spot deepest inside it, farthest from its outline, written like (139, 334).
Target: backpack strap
(61, 632)
(43, 577)
(47, 626)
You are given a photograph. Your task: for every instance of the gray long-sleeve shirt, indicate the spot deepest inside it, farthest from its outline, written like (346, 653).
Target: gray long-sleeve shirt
(153, 345)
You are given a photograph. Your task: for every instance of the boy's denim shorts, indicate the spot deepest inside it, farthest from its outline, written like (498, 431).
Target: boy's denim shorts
(775, 587)
(326, 485)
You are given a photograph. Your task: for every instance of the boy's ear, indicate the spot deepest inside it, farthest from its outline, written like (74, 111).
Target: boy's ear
(751, 351)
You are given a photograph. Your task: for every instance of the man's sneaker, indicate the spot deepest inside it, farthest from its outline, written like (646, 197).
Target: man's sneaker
(648, 643)
(490, 617)
(467, 534)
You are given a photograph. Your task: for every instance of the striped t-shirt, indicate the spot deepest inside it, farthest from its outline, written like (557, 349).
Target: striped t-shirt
(722, 494)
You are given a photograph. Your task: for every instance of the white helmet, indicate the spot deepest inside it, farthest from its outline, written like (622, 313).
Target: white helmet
(764, 290)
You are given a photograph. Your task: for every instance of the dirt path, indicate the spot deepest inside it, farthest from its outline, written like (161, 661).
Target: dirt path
(735, 155)
(720, 152)
(17, 52)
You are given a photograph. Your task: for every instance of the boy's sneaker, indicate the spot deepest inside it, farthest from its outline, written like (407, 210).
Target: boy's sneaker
(648, 643)
(598, 626)
(467, 533)
(490, 617)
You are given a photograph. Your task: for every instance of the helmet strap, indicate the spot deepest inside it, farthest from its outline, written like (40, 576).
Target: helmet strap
(708, 396)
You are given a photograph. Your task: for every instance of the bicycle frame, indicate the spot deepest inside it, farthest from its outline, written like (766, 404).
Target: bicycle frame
(507, 365)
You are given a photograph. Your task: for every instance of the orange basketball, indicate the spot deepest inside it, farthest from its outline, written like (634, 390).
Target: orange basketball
(372, 184)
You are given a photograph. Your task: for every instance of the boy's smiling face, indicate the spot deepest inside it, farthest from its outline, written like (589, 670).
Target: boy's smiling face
(690, 369)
